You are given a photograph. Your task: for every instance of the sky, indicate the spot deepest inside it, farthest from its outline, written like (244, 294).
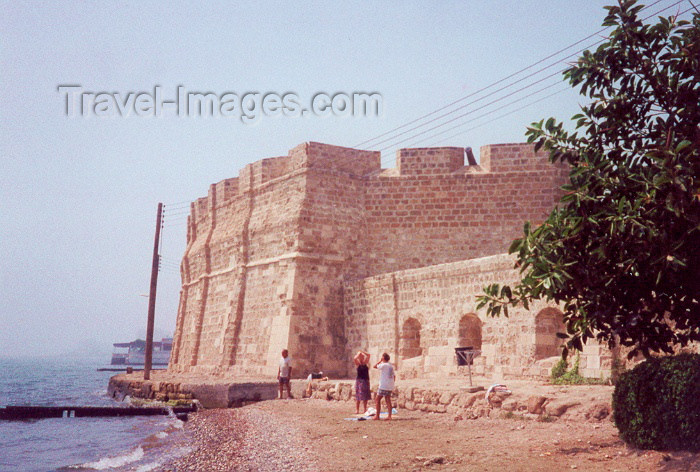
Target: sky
(78, 194)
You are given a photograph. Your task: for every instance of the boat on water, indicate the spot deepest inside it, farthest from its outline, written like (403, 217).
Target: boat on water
(134, 353)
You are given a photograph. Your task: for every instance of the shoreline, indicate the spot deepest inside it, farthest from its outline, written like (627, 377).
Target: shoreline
(241, 439)
(315, 435)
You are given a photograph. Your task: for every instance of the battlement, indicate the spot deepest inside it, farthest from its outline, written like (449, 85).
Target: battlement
(310, 155)
(410, 162)
(495, 158)
(255, 174)
(326, 156)
(268, 251)
(515, 157)
(429, 161)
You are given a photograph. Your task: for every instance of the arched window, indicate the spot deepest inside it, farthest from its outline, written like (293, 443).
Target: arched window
(470, 331)
(409, 343)
(548, 323)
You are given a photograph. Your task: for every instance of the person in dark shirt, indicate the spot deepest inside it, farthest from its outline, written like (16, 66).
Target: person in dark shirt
(362, 393)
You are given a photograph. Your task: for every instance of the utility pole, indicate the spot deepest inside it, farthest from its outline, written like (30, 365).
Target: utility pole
(148, 358)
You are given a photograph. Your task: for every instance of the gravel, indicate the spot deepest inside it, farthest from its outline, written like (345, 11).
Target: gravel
(243, 439)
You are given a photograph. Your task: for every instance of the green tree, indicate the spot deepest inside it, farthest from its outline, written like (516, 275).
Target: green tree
(621, 251)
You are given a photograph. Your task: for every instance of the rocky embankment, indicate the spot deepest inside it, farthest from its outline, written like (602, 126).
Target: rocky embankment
(211, 392)
(532, 400)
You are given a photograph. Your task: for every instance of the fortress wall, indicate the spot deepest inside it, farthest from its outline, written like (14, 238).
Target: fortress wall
(417, 220)
(264, 316)
(330, 239)
(371, 316)
(225, 190)
(251, 277)
(200, 208)
(517, 157)
(195, 264)
(223, 312)
(210, 282)
(270, 254)
(261, 328)
(434, 309)
(332, 225)
(262, 171)
(429, 161)
(220, 249)
(426, 306)
(338, 158)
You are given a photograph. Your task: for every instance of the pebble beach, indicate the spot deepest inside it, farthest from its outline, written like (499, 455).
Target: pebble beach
(242, 439)
(319, 435)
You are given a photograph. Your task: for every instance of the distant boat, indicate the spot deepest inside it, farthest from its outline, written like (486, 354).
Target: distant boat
(134, 353)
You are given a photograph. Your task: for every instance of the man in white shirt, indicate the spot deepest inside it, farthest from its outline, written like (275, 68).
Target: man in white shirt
(284, 373)
(386, 384)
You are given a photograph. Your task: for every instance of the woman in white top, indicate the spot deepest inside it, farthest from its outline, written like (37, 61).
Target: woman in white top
(386, 384)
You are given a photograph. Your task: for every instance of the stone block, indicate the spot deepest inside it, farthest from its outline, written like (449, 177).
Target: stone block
(535, 404)
(559, 407)
(447, 397)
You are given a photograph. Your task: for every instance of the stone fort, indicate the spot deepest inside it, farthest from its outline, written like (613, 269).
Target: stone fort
(324, 252)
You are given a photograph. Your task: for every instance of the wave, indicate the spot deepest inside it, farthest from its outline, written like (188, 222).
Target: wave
(113, 462)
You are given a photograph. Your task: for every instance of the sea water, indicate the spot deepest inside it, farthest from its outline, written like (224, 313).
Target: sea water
(132, 443)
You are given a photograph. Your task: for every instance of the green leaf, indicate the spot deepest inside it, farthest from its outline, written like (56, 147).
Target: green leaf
(682, 145)
(619, 251)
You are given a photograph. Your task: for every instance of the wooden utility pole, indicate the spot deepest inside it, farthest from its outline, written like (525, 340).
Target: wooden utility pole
(148, 358)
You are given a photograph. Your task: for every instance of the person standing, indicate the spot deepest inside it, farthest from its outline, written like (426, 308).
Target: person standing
(386, 384)
(362, 393)
(284, 373)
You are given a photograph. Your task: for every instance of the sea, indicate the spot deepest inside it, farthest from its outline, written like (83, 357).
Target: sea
(136, 443)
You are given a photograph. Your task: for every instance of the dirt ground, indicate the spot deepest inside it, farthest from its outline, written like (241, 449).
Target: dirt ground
(416, 441)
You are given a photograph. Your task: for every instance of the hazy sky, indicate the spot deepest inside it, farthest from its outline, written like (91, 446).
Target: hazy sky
(78, 195)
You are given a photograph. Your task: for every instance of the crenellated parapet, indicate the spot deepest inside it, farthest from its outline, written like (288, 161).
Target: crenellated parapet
(306, 156)
(429, 161)
(516, 157)
(325, 156)
(269, 251)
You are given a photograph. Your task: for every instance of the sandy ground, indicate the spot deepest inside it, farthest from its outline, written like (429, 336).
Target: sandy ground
(311, 435)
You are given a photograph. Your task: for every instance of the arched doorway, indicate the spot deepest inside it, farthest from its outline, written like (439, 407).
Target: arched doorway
(409, 343)
(469, 331)
(548, 323)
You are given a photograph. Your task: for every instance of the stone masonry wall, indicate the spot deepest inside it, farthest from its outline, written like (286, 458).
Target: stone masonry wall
(436, 210)
(271, 252)
(264, 264)
(421, 315)
(230, 264)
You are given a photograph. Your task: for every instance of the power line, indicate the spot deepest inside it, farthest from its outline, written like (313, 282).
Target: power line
(488, 121)
(167, 263)
(178, 203)
(478, 100)
(165, 266)
(480, 108)
(499, 81)
(486, 114)
(502, 88)
(177, 213)
(168, 259)
(176, 218)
